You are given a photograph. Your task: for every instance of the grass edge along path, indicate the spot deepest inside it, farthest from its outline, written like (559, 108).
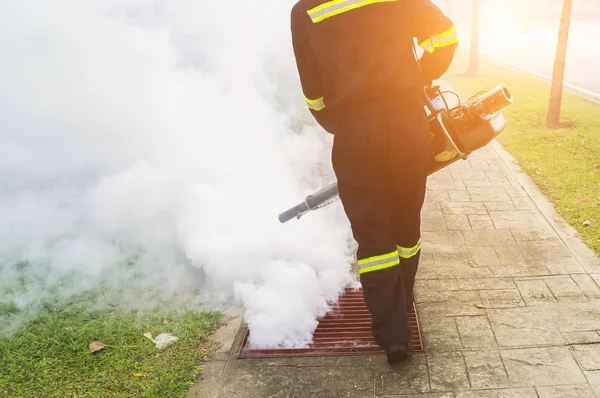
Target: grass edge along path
(563, 163)
(49, 356)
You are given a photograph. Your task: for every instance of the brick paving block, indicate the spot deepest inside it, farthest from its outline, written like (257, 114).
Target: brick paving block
(562, 266)
(540, 232)
(494, 172)
(443, 174)
(486, 284)
(426, 259)
(478, 183)
(588, 356)
(464, 272)
(458, 253)
(436, 197)
(593, 378)
(497, 255)
(402, 379)
(577, 391)
(503, 393)
(452, 308)
(525, 326)
(500, 206)
(459, 195)
(451, 256)
(457, 222)
(535, 292)
(426, 268)
(465, 208)
(450, 296)
(520, 270)
(447, 372)
(516, 192)
(578, 317)
(504, 182)
(516, 219)
(501, 298)
(488, 194)
(486, 370)
(484, 255)
(587, 285)
(424, 395)
(444, 185)
(489, 238)
(258, 381)
(549, 366)
(451, 238)
(468, 174)
(481, 221)
(428, 274)
(582, 337)
(544, 250)
(432, 210)
(433, 224)
(349, 381)
(524, 204)
(476, 332)
(565, 289)
(439, 333)
(437, 285)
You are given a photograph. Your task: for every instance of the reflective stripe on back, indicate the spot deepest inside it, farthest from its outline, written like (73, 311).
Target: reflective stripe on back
(336, 7)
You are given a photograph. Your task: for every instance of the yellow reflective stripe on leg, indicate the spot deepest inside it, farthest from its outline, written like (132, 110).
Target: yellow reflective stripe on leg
(316, 104)
(377, 263)
(336, 7)
(443, 39)
(408, 252)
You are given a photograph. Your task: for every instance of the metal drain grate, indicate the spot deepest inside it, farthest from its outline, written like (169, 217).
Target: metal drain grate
(346, 330)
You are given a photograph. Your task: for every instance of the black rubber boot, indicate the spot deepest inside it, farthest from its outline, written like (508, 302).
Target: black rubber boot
(399, 353)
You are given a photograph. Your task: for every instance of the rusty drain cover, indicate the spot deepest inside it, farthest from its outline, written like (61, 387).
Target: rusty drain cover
(346, 330)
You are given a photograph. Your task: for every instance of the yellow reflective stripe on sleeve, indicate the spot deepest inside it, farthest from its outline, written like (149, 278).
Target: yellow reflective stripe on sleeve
(316, 104)
(408, 252)
(443, 39)
(427, 46)
(377, 263)
(336, 7)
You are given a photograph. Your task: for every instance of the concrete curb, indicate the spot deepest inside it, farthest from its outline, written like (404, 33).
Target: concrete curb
(568, 234)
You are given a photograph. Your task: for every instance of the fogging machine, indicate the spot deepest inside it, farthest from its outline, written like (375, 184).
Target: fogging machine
(455, 133)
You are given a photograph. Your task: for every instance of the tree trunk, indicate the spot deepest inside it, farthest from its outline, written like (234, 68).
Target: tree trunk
(473, 69)
(558, 74)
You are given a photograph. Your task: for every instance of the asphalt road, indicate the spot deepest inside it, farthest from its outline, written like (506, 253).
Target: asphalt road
(534, 49)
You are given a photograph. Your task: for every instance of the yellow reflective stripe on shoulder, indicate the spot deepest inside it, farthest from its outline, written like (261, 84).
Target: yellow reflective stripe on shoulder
(443, 39)
(408, 252)
(336, 7)
(316, 104)
(377, 263)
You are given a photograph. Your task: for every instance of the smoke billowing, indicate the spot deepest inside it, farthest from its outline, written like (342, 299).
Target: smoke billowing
(148, 146)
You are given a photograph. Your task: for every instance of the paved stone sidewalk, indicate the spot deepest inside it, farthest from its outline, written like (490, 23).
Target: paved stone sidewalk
(508, 300)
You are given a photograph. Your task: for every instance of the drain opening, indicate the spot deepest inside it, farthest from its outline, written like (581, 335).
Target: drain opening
(346, 330)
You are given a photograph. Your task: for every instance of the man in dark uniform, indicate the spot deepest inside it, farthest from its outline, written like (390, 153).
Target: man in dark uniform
(363, 84)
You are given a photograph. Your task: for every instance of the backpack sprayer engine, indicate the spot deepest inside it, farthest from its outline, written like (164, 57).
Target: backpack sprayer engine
(455, 133)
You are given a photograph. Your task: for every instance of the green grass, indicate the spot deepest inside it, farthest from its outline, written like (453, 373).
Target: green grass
(564, 163)
(49, 355)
